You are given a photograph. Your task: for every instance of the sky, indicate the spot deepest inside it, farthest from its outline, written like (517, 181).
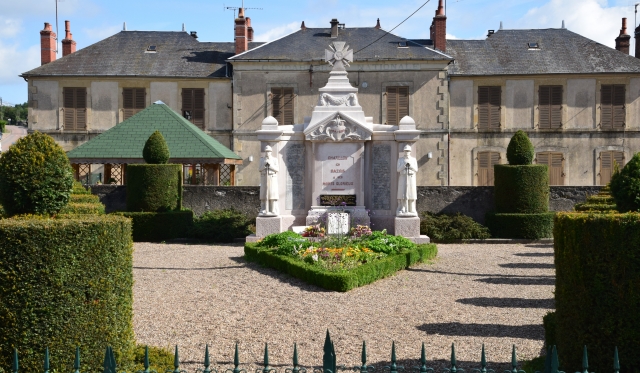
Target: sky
(94, 20)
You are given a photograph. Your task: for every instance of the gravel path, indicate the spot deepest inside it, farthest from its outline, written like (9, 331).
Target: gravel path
(471, 294)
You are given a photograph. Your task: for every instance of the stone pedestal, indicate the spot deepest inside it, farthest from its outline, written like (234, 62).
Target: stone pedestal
(266, 225)
(358, 215)
(409, 227)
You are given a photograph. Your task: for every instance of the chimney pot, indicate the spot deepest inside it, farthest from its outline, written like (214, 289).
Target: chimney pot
(68, 44)
(440, 10)
(623, 41)
(194, 34)
(438, 29)
(637, 35)
(302, 26)
(47, 45)
(334, 27)
(378, 23)
(241, 32)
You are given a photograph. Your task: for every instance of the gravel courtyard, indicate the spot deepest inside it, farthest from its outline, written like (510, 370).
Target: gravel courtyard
(471, 294)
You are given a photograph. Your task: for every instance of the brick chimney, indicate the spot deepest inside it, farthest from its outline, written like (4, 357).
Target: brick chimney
(241, 32)
(68, 44)
(47, 45)
(249, 30)
(623, 42)
(334, 28)
(638, 42)
(439, 29)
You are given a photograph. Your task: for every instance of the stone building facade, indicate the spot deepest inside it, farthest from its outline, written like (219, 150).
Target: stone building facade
(578, 100)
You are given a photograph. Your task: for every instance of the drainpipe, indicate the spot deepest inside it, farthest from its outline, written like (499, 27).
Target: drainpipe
(449, 131)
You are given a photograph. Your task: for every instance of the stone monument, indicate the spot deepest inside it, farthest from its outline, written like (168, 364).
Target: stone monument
(338, 164)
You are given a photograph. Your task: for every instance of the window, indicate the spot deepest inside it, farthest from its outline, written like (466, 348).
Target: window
(533, 45)
(133, 101)
(75, 108)
(486, 161)
(550, 106)
(608, 159)
(193, 105)
(555, 161)
(489, 101)
(397, 104)
(282, 105)
(612, 110)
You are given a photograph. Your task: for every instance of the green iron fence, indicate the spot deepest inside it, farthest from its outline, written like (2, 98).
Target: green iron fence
(329, 362)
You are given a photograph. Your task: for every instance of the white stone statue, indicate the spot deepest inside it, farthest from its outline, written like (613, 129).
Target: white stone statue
(407, 192)
(268, 184)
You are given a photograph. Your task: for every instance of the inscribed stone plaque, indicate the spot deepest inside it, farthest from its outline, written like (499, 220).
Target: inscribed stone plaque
(338, 223)
(337, 199)
(381, 177)
(294, 161)
(338, 174)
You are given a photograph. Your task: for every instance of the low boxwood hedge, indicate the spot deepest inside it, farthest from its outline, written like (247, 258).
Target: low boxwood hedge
(528, 226)
(339, 281)
(594, 207)
(597, 292)
(83, 198)
(83, 208)
(160, 226)
(65, 283)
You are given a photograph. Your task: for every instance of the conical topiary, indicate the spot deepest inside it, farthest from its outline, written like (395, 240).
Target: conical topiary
(155, 149)
(520, 150)
(625, 186)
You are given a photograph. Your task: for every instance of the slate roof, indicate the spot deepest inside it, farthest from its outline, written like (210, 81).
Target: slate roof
(125, 54)
(561, 52)
(126, 140)
(309, 45)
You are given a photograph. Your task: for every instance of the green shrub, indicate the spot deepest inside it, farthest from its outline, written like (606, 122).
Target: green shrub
(604, 199)
(83, 208)
(154, 187)
(595, 207)
(35, 176)
(84, 198)
(287, 242)
(521, 189)
(160, 226)
(597, 292)
(221, 225)
(625, 186)
(65, 283)
(381, 242)
(343, 280)
(520, 150)
(550, 327)
(450, 227)
(3, 124)
(160, 359)
(78, 188)
(155, 149)
(527, 226)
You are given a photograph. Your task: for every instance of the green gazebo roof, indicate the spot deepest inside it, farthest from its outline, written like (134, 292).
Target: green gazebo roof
(124, 142)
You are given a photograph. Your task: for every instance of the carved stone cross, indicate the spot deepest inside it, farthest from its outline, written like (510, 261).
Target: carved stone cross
(339, 56)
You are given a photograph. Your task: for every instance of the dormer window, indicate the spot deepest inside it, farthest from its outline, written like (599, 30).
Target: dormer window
(151, 48)
(533, 45)
(402, 44)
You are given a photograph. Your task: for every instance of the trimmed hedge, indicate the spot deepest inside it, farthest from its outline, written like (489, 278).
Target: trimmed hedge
(154, 187)
(83, 208)
(78, 188)
(597, 293)
(83, 198)
(520, 150)
(451, 227)
(339, 281)
(160, 226)
(521, 189)
(594, 207)
(65, 283)
(221, 225)
(550, 329)
(528, 226)
(156, 150)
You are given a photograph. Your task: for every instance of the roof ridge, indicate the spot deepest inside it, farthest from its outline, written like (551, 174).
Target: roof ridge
(266, 43)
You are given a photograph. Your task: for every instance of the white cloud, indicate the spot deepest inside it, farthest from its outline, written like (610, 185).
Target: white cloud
(452, 37)
(10, 27)
(589, 18)
(277, 32)
(98, 33)
(15, 60)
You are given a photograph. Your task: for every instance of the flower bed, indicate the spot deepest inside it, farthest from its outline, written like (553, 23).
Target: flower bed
(338, 263)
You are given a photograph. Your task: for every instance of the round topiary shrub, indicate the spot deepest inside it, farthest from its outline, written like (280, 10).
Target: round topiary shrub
(155, 149)
(520, 150)
(625, 186)
(35, 176)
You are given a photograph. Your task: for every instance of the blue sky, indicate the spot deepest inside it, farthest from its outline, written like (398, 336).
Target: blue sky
(94, 20)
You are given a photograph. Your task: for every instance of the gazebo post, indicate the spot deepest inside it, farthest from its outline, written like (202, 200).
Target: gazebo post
(233, 175)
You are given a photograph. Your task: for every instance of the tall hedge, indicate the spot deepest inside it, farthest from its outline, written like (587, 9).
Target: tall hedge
(625, 186)
(154, 187)
(597, 258)
(35, 176)
(65, 283)
(521, 189)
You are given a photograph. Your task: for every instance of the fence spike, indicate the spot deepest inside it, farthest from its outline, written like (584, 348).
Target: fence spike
(15, 366)
(113, 360)
(107, 361)
(555, 365)
(207, 361)
(46, 360)
(296, 366)
(76, 361)
(176, 361)
(616, 361)
(333, 358)
(585, 360)
(146, 359)
(514, 360)
(363, 356)
(266, 368)
(327, 364)
(423, 360)
(453, 359)
(393, 367)
(547, 361)
(483, 361)
(236, 361)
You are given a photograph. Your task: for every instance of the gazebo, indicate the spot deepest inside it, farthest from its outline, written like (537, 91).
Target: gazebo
(204, 160)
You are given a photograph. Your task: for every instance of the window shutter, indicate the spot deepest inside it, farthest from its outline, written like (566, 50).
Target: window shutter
(544, 105)
(556, 169)
(127, 103)
(69, 108)
(495, 101)
(198, 108)
(556, 106)
(618, 107)
(486, 161)
(403, 103)
(81, 108)
(608, 160)
(276, 104)
(606, 106)
(392, 105)
(139, 99)
(483, 107)
(287, 106)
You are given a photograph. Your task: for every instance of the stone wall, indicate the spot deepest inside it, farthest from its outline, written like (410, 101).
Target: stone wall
(471, 201)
